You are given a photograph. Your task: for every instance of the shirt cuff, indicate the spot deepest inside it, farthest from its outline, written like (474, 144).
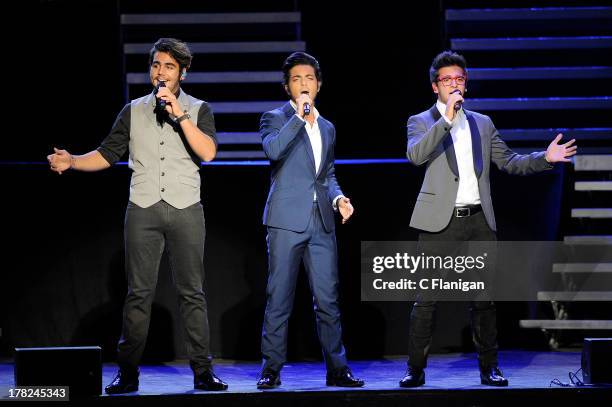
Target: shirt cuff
(335, 202)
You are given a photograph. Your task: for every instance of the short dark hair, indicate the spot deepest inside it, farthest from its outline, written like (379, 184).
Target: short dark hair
(300, 58)
(176, 48)
(443, 59)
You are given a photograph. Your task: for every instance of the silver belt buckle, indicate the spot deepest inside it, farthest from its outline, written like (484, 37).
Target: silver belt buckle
(462, 212)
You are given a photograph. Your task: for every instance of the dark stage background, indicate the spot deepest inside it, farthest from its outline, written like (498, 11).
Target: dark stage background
(62, 276)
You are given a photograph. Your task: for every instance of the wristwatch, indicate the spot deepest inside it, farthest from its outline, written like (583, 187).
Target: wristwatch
(183, 117)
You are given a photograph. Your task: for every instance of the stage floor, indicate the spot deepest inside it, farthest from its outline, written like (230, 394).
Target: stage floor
(446, 374)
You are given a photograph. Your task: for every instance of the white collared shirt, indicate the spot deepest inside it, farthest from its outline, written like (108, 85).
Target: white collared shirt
(468, 193)
(314, 135)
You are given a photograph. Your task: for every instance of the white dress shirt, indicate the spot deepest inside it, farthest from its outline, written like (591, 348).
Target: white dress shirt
(467, 194)
(314, 135)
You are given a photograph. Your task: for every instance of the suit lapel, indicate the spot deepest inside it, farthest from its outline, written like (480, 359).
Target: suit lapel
(449, 148)
(289, 112)
(325, 141)
(476, 144)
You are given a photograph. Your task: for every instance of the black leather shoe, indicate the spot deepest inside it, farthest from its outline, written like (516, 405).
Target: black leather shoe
(414, 377)
(343, 377)
(208, 380)
(123, 383)
(492, 376)
(269, 379)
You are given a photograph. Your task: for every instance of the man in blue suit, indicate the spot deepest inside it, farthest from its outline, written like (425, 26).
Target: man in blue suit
(299, 214)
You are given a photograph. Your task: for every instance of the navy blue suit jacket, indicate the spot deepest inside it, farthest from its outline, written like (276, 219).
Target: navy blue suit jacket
(293, 179)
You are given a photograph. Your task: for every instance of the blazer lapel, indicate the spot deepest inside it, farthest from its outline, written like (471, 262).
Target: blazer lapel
(289, 112)
(325, 143)
(449, 148)
(476, 144)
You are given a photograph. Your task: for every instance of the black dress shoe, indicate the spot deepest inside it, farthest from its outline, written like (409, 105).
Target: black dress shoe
(123, 383)
(269, 379)
(208, 380)
(414, 377)
(343, 377)
(492, 376)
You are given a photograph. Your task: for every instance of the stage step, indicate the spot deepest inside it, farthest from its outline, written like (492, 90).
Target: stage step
(595, 162)
(549, 103)
(566, 324)
(574, 296)
(592, 213)
(531, 43)
(593, 185)
(210, 18)
(582, 268)
(243, 47)
(522, 14)
(596, 133)
(216, 77)
(245, 107)
(246, 154)
(588, 240)
(541, 73)
(239, 138)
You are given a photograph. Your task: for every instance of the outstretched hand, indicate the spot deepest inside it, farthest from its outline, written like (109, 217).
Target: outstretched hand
(560, 152)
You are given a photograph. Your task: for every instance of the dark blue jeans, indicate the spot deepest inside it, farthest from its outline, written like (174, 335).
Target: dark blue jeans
(148, 231)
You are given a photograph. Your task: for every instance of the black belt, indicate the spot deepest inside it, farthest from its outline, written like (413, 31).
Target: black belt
(464, 211)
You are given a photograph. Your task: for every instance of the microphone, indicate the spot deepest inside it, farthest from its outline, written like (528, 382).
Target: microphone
(306, 105)
(160, 102)
(458, 104)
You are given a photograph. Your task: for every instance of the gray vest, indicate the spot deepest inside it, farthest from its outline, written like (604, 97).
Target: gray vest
(162, 167)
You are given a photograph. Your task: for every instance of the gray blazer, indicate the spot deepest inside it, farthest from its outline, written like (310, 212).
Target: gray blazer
(430, 143)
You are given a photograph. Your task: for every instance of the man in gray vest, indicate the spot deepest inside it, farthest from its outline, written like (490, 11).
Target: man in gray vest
(167, 133)
(454, 204)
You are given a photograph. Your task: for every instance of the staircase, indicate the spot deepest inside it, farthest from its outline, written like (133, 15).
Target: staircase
(238, 50)
(553, 67)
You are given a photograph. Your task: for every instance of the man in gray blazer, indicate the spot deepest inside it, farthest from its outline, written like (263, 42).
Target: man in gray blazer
(167, 133)
(454, 203)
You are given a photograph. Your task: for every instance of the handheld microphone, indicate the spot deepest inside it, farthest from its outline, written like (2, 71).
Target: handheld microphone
(458, 104)
(160, 102)
(306, 105)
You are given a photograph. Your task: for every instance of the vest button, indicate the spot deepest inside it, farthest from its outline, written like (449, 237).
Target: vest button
(162, 158)
(161, 143)
(163, 173)
(456, 179)
(163, 189)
